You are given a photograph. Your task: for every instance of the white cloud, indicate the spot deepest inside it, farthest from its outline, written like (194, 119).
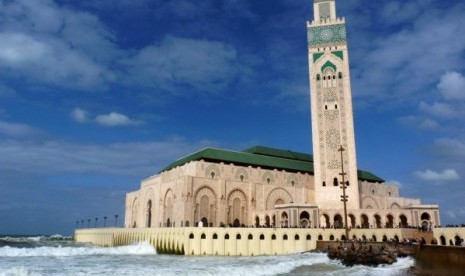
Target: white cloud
(115, 119)
(422, 123)
(17, 130)
(392, 67)
(45, 43)
(58, 157)
(112, 119)
(79, 115)
(446, 175)
(452, 86)
(437, 109)
(176, 62)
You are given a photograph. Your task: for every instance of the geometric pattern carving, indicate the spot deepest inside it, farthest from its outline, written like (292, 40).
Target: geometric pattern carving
(324, 35)
(324, 10)
(330, 96)
(331, 115)
(241, 175)
(333, 138)
(368, 201)
(212, 171)
(275, 195)
(267, 177)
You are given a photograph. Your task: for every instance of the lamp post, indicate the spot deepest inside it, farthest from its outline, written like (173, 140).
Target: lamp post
(77, 223)
(116, 219)
(88, 223)
(96, 219)
(344, 196)
(104, 221)
(82, 223)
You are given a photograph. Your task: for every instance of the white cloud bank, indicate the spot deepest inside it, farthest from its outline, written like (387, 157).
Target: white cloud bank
(446, 175)
(17, 130)
(112, 119)
(452, 86)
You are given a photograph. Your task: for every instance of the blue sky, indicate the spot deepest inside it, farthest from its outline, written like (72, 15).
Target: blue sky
(96, 95)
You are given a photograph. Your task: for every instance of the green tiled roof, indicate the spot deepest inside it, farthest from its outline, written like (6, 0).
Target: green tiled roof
(264, 157)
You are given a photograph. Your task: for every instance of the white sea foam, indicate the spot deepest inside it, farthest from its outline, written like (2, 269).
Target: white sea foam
(44, 251)
(17, 271)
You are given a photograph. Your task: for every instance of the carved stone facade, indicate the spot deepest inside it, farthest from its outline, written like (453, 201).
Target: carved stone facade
(216, 194)
(276, 188)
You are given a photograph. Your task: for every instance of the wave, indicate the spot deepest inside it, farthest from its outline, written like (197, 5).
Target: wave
(17, 271)
(45, 251)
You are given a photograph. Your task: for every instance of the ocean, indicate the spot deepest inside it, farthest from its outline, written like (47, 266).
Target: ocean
(57, 255)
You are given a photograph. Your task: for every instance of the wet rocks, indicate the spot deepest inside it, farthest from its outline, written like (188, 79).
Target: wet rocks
(359, 254)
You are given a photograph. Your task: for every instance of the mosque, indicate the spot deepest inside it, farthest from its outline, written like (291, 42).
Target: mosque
(268, 187)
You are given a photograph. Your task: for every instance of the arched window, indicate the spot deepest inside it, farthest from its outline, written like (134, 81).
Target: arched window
(326, 107)
(262, 237)
(296, 237)
(250, 237)
(324, 77)
(334, 77)
(318, 77)
(238, 236)
(309, 237)
(285, 237)
(191, 236)
(215, 236)
(324, 183)
(203, 236)
(226, 237)
(340, 75)
(273, 237)
(335, 182)
(335, 106)
(320, 237)
(331, 238)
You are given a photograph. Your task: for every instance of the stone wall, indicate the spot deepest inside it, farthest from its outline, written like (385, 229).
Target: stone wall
(227, 241)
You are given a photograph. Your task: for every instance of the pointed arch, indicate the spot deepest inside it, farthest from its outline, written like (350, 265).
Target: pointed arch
(275, 195)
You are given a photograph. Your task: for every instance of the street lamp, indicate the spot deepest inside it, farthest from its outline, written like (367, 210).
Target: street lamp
(77, 223)
(82, 223)
(344, 197)
(96, 219)
(104, 221)
(116, 219)
(88, 223)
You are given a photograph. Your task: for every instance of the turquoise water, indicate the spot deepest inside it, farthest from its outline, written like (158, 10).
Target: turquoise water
(61, 256)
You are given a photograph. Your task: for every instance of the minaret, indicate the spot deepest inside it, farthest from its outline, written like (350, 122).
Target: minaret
(331, 105)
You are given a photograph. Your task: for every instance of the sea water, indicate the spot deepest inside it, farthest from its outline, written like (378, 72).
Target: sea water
(56, 255)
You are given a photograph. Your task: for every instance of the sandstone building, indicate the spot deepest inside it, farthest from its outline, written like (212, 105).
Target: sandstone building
(266, 187)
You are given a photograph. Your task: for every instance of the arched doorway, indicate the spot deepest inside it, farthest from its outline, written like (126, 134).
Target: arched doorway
(458, 241)
(204, 221)
(149, 214)
(236, 223)
(403, 221)
(425, 221)
(267, 221)
(284, 220)
(338, 221)
(324, 221)
(304, 219)
(237, 202)
(389, 221)
(377, 221)
(364, 220)
(443, 240)
(257, 221)
(352, 221)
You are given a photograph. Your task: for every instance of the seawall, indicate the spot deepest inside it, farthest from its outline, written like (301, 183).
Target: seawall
(228, 241)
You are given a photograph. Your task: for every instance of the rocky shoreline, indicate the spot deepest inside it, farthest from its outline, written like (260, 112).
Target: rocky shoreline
(361, 253)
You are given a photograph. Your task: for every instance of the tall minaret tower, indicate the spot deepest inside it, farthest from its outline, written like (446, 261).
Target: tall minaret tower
(331, 104)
